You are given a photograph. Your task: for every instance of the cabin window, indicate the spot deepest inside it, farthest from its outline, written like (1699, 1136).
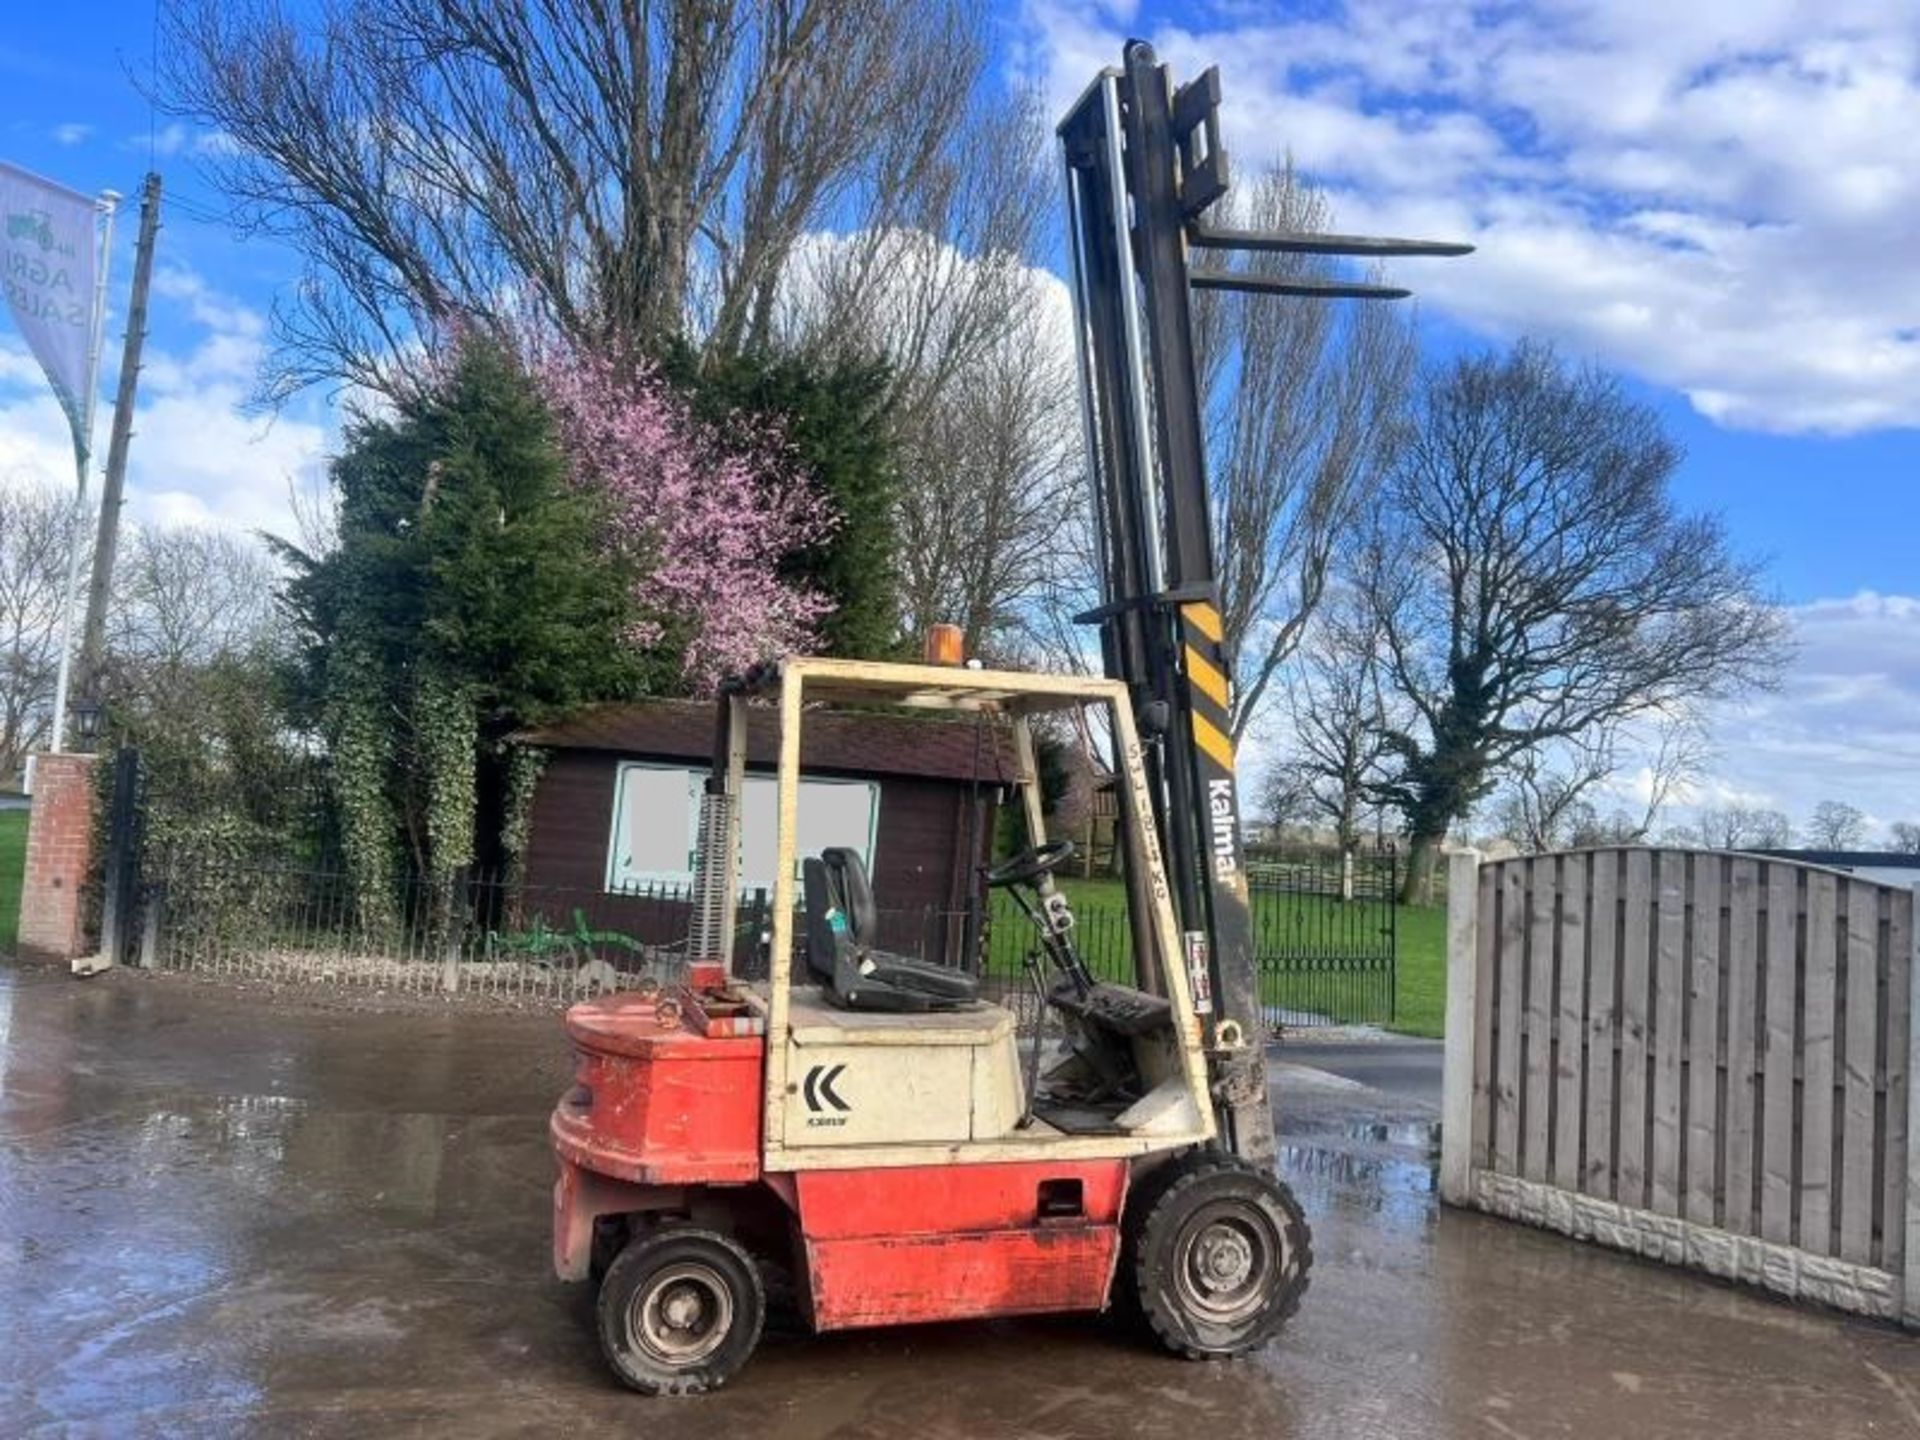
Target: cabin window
(656, 824)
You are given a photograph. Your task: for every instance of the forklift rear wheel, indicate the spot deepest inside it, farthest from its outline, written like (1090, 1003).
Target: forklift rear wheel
(609, 1235)
(680, 1311)
(1219, 1256)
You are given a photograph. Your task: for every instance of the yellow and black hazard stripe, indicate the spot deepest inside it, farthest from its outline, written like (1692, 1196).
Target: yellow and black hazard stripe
(1206, 671)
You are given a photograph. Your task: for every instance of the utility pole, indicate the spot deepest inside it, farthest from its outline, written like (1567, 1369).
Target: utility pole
(107, 539)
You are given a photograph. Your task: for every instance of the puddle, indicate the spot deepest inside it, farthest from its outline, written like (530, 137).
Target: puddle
(1380, 1169)
(1421, 1135)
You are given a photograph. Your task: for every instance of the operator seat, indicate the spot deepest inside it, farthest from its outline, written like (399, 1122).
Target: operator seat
(841, 954)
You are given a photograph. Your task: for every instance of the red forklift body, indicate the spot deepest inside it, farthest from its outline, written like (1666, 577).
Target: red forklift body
(863, 1122)
(656, 1103)
(886, 1247)
(659, 1110)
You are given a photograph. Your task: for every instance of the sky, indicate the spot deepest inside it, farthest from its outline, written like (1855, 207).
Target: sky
(1714, 198)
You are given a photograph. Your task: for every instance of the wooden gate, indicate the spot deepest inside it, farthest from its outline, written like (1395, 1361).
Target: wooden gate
(1700, 1057)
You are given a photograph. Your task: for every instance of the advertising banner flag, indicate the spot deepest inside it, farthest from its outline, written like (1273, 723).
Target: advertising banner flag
(47, 267)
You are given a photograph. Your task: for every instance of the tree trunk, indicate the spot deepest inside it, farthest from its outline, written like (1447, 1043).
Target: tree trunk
(1425, 851)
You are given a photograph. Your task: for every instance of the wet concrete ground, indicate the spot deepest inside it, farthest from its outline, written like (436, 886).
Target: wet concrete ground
(231, 1214)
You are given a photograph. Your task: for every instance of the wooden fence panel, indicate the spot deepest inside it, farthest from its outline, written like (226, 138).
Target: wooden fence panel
(1537, 1040)
(1486, 977)
(1858, 1068)
(1900, 1028)
(1603, 1021)
(1739, 1213)
(1818, 962)
(1778, 1172)
(1630, 1185)
(1512, 959)
(1569, 1021)
(1716, 1050)
(1700, 1153)
(1668, 1042)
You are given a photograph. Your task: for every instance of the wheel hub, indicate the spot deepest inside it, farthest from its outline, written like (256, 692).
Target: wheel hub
(1225, 1259)
(682, 1316)
(1229, 1263)
(681, 1308)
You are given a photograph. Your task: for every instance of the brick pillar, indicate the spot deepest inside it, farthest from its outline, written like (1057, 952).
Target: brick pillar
(59, 855)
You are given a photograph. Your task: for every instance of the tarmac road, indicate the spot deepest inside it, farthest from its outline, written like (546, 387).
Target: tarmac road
(230, 1213)
(1397, 1065)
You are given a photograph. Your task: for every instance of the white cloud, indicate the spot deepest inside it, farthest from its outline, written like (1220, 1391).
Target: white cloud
(1844, 724)
(1718, 197)
(71, 133)
(177, 139)
(198, 456)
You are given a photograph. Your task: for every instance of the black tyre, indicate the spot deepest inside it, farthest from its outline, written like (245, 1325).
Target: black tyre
(1143, 1193)
(1218, 1254)
(680, 1311)
(609, 1238)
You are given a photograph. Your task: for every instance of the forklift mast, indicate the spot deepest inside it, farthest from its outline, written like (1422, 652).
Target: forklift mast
(1143, 163)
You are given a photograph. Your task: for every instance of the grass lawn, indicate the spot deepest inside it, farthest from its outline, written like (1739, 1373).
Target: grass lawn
(13, 865)
(1420, 976)
(1302, 922)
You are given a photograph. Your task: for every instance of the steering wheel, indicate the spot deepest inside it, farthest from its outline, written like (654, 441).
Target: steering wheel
(1029, 865)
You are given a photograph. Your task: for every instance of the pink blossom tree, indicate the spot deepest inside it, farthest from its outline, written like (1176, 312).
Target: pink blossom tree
(707, 513)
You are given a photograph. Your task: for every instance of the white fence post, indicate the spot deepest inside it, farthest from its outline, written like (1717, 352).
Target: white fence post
(1910, 1284)
(1456, 1096)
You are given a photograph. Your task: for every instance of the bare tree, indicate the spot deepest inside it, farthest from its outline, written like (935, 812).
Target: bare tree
(186, 597)
(1549, 800)
(993, 481)
(607, 170)
(1535, 583)
(981, 403)
(182, 598)
(1338, 717)
(315, 510)
(1836, 825)
(940, 271)
(1543, 806)
(1285, 799)
(1905, 837)
(34, 528)
(1303, 403)
(1742, 827)
(1068, 588)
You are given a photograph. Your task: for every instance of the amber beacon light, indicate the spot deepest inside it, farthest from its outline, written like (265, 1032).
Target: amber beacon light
(943, 645)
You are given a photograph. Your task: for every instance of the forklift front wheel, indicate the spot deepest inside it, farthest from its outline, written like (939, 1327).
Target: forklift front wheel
(1220, 1257)
(680, 1311)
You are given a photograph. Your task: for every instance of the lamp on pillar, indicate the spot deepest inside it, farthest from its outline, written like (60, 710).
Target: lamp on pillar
(86, 724)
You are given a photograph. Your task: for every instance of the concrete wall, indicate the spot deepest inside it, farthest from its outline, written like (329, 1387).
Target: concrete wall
(1701, 1057)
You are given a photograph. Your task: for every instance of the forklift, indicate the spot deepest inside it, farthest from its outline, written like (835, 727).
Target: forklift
(869, 1123)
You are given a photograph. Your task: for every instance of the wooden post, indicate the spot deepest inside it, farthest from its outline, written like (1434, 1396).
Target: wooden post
(121, 873)
(1031, 801)
(1456, 1096)
(150, 925)
(107, 537)
(1910, 1288)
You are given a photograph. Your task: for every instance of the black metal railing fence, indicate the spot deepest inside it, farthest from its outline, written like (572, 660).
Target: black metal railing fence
(1324, 934)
